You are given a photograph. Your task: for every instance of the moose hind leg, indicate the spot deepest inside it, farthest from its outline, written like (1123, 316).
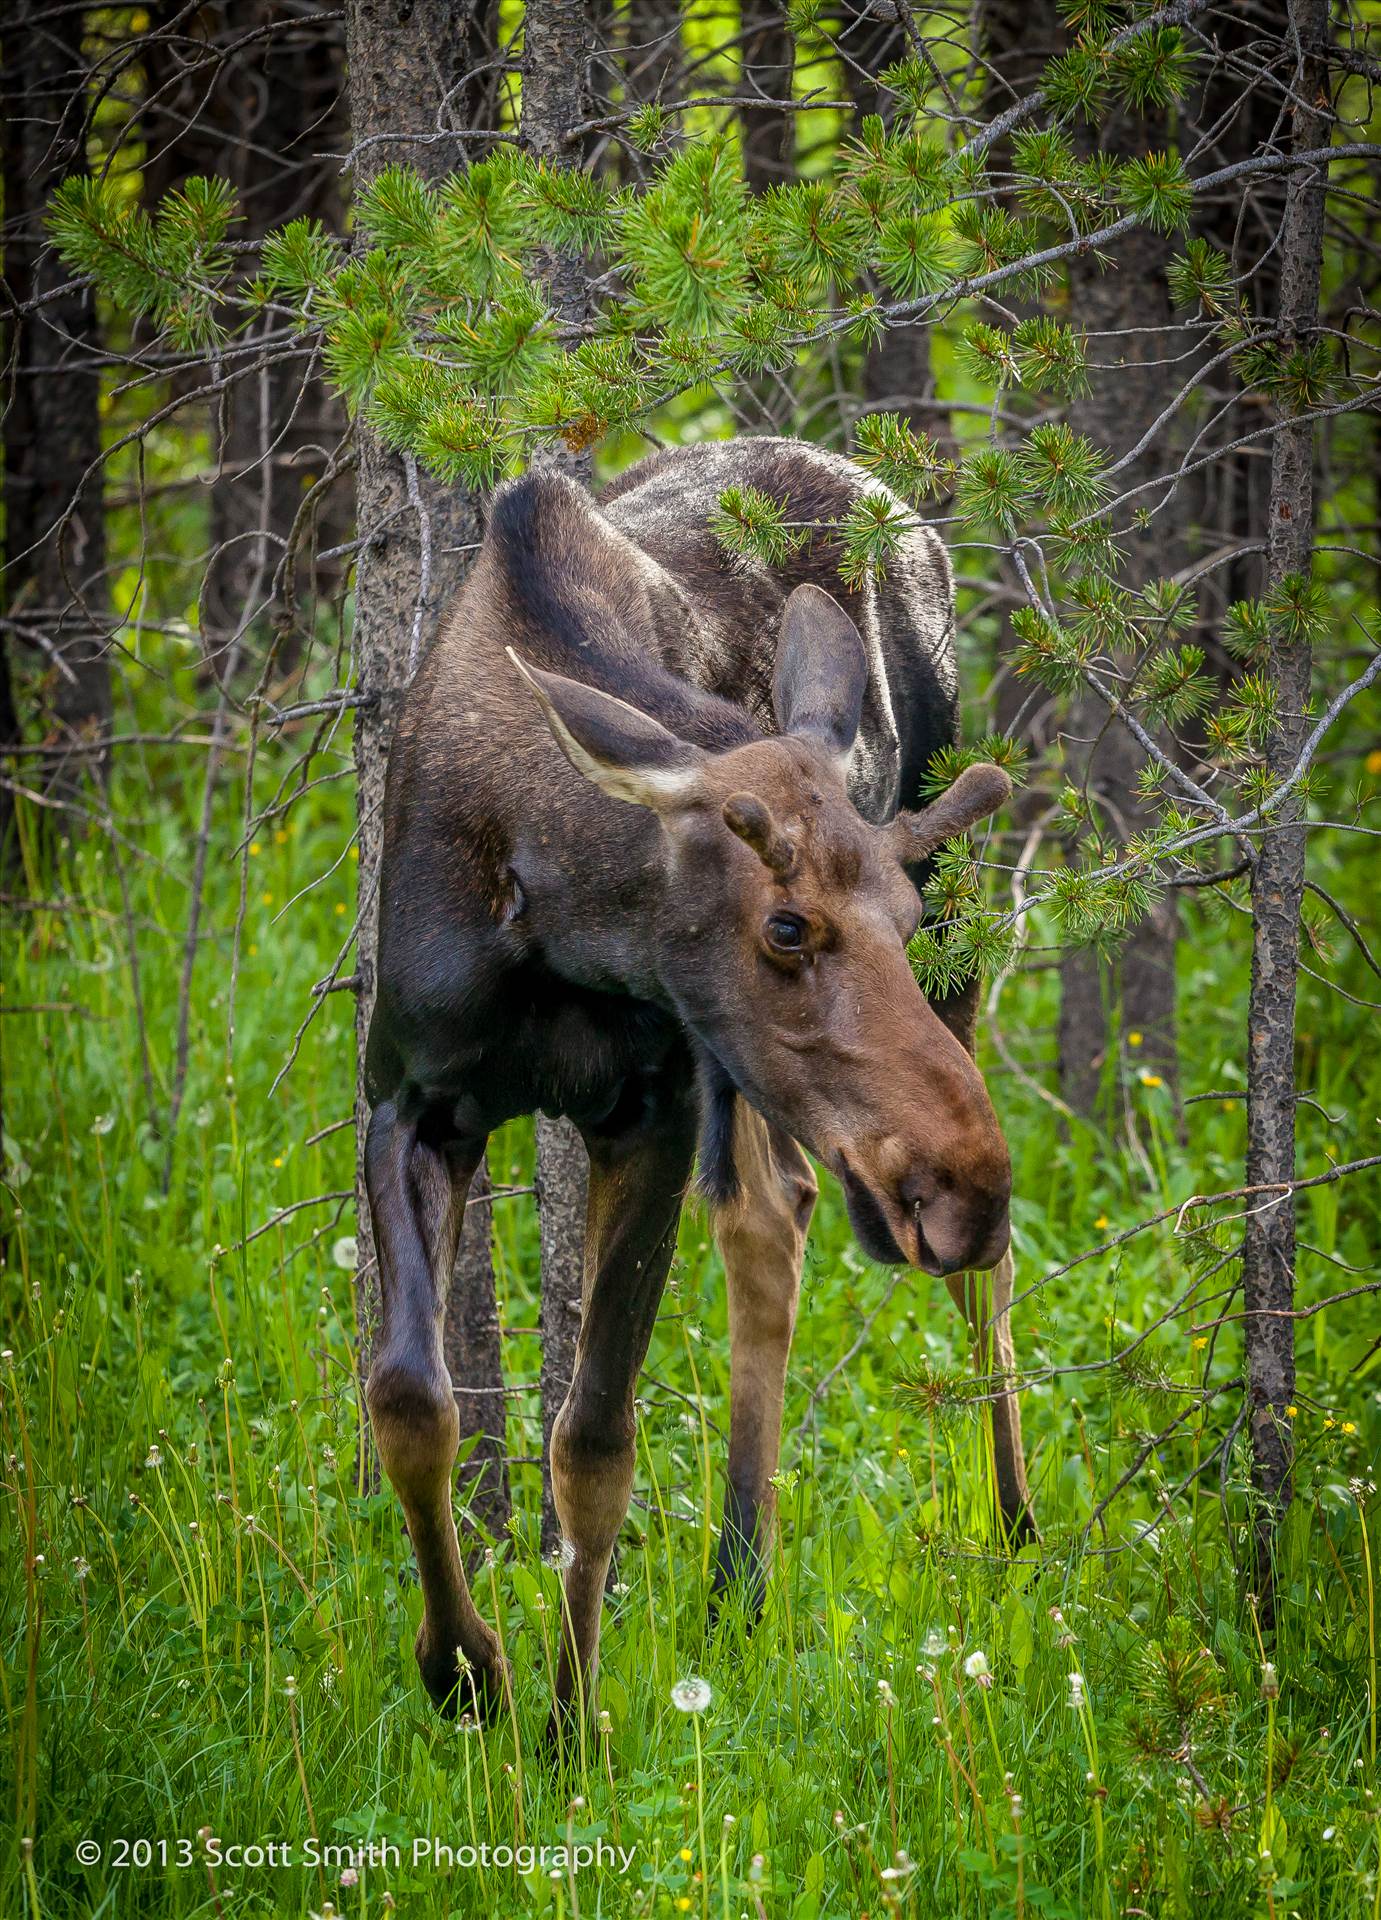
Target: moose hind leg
(986, 1303)
(988, 1309)
(417, 1200)
(761, 1237)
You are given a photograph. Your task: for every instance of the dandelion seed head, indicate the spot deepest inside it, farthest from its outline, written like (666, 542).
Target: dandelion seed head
(691, 1695)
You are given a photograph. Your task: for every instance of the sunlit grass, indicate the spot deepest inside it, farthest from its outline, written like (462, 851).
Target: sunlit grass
(208, 1626)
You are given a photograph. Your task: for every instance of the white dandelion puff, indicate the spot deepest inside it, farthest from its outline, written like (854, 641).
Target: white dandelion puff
(691, 1695)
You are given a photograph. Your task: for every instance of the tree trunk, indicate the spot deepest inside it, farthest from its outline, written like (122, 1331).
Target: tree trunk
(558, 40)
(1126, 1002)
(271, 121)
(768, 134)
(404, 57)
(56, 589)
(1277, 881)
(1230, 496)
(897, 373)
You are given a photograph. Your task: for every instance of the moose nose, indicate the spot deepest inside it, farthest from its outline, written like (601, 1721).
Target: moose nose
(948, 1244)
(959, 1232)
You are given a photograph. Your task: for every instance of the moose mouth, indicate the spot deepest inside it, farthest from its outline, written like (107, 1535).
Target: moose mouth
(878, 1225)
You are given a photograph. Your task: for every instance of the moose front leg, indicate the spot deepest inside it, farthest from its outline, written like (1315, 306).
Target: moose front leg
(417, 1199)
(638, 1175)
(762, 1237)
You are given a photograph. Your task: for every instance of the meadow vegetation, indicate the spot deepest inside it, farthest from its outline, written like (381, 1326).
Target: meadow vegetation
(209, 1621)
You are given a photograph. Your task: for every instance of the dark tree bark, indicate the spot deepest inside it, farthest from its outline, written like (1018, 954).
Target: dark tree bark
(558, 42)
(267, 112)
(1104, 999)
(1277, 881)
(404, 57)
(55, 587)
(768, 133)
(1016, 41)
(1230, 497)
(898, 376)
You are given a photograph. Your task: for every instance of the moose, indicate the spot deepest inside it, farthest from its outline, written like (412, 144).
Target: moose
(651, 854)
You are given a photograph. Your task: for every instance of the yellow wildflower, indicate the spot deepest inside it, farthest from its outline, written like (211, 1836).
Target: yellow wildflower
(1151, 1080)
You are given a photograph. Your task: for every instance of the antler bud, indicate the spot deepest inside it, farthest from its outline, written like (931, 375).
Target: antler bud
(979, 791)
(751, 820)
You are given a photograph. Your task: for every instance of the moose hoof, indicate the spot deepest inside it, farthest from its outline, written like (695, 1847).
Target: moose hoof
(740, 1576)
(457, 1689)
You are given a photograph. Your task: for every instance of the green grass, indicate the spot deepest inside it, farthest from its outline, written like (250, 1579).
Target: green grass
(163, 1382)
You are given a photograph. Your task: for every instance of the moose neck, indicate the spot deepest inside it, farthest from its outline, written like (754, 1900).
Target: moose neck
(594, 901)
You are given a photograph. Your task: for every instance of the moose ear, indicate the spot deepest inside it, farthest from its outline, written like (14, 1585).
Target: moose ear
(627, 754)
(979, 791)
(821, 671)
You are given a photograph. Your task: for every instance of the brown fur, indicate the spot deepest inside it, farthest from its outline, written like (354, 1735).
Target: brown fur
(644, 867)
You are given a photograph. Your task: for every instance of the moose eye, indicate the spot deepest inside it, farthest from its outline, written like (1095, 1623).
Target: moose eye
(786, 932)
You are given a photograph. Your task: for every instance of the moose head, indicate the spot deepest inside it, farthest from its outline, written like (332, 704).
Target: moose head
(780, 931)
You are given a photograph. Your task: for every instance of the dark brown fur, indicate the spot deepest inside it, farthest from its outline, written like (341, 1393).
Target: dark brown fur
(639, 870)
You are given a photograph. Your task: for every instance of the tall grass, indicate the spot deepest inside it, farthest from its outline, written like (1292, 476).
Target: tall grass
(208, 1625)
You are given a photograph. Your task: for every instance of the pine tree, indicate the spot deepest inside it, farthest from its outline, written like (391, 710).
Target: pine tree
(55, 584)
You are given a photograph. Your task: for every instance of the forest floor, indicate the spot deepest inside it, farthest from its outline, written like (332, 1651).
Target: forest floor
(207, 1627)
